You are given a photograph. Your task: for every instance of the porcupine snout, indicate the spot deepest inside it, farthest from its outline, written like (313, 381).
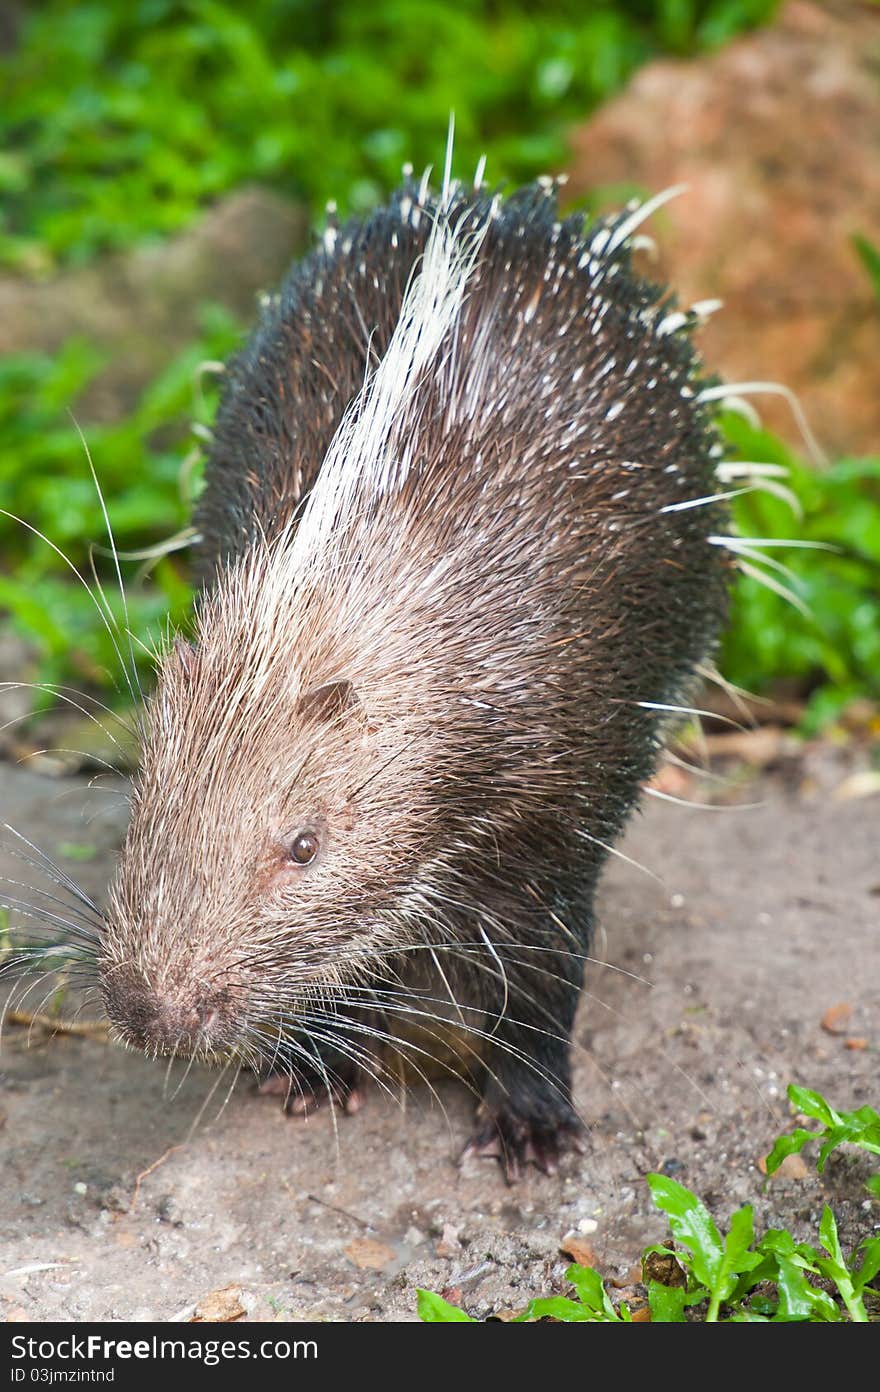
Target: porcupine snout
(187, 1015)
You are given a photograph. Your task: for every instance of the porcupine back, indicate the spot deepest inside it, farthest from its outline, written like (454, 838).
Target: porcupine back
(488, 556)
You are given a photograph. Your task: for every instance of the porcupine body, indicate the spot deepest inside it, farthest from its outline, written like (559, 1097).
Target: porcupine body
(449, 584)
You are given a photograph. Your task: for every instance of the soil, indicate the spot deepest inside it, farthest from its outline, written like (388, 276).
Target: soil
(131, 1190)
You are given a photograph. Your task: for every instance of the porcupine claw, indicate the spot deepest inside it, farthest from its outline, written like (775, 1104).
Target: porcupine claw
(302, 1096)
(517, 1142)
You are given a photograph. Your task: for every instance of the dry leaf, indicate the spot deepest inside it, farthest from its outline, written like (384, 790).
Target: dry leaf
(452, 1295)
(756, 747)
(792, 1167)
(220, 1306)
(663, 1267)
(577, 1247)
(368, 1254)
(672, 780)
(858, 785)
(449, 1245)
(855, 1042)
(837, 1017)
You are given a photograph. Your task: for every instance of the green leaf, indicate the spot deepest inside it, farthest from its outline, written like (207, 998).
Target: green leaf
(870, 1266)
(828, 1236)
(798, 1300)
(433, 1309)
(789, 1145)
(667, 1303)
(836, 1269)
(715, 1263)
(692, 1226)
(869, 255)
(589, 1287)
(557, 1307)
(812, 1104)
(74, 850)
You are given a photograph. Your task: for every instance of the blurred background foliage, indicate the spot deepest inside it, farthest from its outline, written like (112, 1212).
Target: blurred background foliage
(121, 121)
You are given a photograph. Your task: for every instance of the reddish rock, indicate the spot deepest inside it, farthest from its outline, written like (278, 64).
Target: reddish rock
(777, 136)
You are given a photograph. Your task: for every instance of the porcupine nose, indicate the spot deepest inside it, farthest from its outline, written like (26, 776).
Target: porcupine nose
(182, 1017)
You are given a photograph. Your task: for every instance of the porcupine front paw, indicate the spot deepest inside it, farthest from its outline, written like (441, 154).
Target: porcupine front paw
(305, 1089)
(518, 1139)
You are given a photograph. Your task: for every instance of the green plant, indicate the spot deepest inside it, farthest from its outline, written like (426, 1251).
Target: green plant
(869, 255)
(860, 1128)
(731, 1274)
(832, 643)
(734, 1270)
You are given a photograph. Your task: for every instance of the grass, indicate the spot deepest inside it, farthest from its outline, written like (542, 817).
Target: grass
(733, 1276)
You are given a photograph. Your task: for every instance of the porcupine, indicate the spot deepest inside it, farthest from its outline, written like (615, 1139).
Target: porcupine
(456, 544)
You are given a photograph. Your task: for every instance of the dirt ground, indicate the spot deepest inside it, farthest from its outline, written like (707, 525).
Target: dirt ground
(719, 975)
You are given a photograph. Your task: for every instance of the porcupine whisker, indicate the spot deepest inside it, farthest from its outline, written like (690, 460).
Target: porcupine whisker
(120, 802)
(516, 987)
(520, 1055)
(178, 542)
(82, 754)
(697, 770)
(40, 1008)
(477, 944)
(43, 915)
(45, 863)
(443, 978)
(172, 1058)
(619, 855)
(531, 1027)
(378, 1000)
(59, 693)
(196, 1122)
(474, 1030)
(88, 919)
(702, 806)
(324, 1029)
(368, 997)
(69, 563)
(112, 540)
(621, 1016)
(709, 673)
(364, 1059)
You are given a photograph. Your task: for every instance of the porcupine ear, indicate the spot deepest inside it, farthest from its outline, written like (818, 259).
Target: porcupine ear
(327, 702)
(186, 652)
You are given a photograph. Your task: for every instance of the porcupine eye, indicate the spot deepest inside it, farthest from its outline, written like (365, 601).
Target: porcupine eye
(304, 848)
